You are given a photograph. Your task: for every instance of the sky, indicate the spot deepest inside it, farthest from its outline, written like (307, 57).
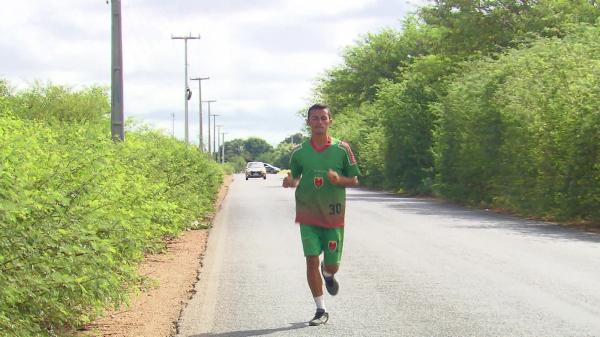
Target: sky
(263, 57)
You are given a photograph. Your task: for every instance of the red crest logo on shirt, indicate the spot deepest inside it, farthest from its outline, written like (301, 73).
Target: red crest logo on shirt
(332, 245)
(318, 182)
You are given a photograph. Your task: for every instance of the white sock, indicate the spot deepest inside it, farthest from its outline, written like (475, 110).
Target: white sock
(320, 302)
(326, 274)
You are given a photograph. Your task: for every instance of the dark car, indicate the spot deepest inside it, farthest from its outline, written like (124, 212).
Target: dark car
(271, 169)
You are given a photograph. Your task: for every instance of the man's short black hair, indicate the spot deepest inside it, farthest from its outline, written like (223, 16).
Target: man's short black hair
(318, 106)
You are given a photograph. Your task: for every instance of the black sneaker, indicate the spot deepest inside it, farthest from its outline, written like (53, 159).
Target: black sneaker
(321, 317)
(331, 283)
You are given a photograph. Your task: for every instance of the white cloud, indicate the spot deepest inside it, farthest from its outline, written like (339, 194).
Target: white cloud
(263, 57)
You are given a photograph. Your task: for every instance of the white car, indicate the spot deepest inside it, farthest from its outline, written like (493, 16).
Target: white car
(256, 169)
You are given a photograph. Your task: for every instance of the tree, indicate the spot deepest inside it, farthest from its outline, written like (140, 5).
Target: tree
(237, 162)
(55, 103)
(5, 89)
(409, 123)
(296, 138)
(5, 94)
(521, 131)
(234, 148)
(250, 149)
(374, 58)
(281, 155)
(255, 146)
(490, 26)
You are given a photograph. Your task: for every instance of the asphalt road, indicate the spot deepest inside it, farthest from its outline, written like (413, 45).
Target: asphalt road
(411, 267)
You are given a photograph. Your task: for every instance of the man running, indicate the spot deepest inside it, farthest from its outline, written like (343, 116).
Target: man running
(321, 168)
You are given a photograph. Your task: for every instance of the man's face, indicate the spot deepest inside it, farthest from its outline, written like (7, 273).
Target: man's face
(319, 121)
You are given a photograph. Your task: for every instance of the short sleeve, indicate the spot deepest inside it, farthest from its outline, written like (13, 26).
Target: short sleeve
(350, 167)
(295, 165)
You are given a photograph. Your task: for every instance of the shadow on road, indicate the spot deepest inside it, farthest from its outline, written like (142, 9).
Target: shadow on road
(475, 218)
(249, 333)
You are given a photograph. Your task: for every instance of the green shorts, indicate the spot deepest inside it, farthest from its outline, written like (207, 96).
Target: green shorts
(328, 240)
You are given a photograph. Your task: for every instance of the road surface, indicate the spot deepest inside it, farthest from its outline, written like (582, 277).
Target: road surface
(411, 267)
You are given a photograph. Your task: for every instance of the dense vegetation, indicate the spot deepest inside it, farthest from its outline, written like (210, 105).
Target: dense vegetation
(240, 151)
(527, 134)
(78, 211)
(483, 102)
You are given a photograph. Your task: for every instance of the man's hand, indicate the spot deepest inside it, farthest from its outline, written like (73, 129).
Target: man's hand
(289, 181)
(336, 179)
(333, 177)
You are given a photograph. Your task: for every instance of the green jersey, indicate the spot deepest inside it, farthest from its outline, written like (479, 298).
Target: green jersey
(318, 202)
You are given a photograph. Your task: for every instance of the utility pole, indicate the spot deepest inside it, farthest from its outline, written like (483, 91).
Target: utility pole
(201, 136)
(223, 148)
(187, 94)
(214, 133)
(173, 124)
(209, 101)
(218, 148)
(116, 97)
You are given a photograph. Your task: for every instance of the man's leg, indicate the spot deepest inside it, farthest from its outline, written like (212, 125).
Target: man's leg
(333, 243)
(314, 276)
(315, 283)
(311, 244)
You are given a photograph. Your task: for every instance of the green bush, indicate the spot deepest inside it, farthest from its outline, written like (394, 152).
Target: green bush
(54, 103)
(522, 131)
(78, 212)
(409, 123)
(420, 142)
(362, 129)
(228, 168)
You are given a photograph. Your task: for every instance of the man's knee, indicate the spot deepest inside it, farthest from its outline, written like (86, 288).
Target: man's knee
(332, 268)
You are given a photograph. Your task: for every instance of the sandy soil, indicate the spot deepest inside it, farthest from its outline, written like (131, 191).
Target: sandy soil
(155, 311)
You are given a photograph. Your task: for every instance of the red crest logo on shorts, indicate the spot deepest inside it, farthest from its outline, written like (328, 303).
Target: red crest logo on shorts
(332, 245)
(318, 182)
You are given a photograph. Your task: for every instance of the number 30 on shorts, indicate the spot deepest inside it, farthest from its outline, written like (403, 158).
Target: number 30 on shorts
(335, 209)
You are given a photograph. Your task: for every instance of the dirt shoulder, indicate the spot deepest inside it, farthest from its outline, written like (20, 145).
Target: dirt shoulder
(155, 311)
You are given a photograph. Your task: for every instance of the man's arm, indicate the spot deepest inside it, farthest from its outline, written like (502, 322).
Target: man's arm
(350, 172)
(289, 181)
(339, 180)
